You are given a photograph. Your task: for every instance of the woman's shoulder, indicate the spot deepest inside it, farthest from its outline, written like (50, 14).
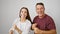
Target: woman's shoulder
(28, 21)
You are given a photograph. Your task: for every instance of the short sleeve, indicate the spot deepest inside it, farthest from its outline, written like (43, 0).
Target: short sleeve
(34, 20)
(51, 24)
(28, 26)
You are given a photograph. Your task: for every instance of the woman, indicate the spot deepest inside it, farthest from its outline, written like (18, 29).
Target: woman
(22, 24)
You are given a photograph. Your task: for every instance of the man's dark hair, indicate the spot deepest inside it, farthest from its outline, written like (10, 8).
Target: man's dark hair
(40, 4)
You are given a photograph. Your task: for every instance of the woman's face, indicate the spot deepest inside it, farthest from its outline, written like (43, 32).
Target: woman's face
(23, 13)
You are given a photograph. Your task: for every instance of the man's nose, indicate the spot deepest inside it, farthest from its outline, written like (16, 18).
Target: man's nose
(39, 9)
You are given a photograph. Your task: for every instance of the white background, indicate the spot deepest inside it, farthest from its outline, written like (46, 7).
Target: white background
(9, 10)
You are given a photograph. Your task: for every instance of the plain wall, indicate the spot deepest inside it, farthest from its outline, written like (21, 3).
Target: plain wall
(9, 10)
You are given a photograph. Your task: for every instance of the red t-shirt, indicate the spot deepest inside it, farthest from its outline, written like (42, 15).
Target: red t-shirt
(45, 23)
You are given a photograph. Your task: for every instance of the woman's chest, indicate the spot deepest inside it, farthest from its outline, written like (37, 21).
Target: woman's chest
(22, 26)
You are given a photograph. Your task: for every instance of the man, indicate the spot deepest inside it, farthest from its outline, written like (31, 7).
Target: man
(42, 23)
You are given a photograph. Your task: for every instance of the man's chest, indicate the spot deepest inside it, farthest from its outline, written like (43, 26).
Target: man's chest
(42, 24)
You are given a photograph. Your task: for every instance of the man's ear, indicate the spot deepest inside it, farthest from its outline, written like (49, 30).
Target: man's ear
(44, 8)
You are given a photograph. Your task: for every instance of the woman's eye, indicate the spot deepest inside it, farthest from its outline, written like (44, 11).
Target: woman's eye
(22, 11)
(25, 12)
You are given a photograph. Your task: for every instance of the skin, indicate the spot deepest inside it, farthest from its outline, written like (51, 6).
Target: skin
(23, 18)
(23, 15)
(40, 11)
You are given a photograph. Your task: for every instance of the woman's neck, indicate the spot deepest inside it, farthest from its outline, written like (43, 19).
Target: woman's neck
(22, 19)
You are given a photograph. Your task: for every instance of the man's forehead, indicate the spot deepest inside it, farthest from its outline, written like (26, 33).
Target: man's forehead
(39, 6)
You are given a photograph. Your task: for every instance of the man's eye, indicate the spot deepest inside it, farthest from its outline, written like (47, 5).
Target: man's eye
(41, 8)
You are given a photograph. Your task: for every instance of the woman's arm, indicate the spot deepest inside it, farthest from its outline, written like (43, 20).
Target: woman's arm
(17, 29)
(11, 32)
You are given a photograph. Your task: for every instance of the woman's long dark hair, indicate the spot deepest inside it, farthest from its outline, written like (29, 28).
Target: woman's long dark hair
(28, 16)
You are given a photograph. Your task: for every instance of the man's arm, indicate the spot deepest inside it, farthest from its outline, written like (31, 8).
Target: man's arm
(36, 30)
(53, 31)
(34, 26)
(50, 32)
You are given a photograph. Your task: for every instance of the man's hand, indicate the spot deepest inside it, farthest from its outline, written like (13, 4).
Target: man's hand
(37, 31)
(34, 25)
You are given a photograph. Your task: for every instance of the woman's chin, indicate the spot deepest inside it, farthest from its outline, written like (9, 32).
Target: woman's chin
(23, 17)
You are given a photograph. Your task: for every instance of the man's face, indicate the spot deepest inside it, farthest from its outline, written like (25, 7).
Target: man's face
(40, 10)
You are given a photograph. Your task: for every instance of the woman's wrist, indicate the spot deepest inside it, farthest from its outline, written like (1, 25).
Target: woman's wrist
(11, 32)
(20, 32)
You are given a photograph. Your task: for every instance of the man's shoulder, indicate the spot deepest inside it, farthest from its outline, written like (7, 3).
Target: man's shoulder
(35, 17)
(49, 18)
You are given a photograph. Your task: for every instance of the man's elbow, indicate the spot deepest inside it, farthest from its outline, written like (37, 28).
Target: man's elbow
(54, 32)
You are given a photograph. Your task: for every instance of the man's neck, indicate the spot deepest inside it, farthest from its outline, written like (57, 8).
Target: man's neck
(42, 16)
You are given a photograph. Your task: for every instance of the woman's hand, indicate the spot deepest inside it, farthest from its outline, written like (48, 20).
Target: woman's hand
(17, 29)
(15, 26)
(11, 32)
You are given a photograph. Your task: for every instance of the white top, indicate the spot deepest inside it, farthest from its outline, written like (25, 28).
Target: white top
(24, 27)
